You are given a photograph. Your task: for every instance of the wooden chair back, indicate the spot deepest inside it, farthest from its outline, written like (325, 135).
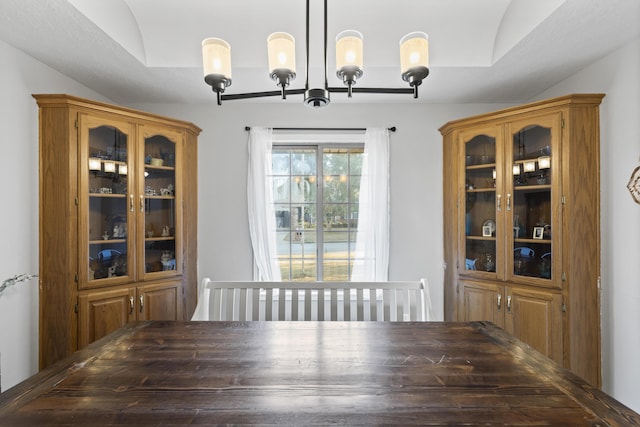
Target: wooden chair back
(333, 301)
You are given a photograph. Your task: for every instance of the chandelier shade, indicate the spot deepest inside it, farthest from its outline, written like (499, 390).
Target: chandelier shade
(281, 49)
(349, 57)
(216, 62)
(414, 59)
(414, 65)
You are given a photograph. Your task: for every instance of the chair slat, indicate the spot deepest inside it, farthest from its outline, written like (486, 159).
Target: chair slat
(373, 301)
(294, 304)
(268, 312)
(242, 304)
(255, 304)
(282, 303)
(307, 304)
(346, 298)
(334, 305)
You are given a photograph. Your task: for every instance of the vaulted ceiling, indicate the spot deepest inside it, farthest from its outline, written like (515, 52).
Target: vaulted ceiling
(148, 51)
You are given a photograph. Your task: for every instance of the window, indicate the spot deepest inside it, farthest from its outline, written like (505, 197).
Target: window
(316, 195)
(319, 211)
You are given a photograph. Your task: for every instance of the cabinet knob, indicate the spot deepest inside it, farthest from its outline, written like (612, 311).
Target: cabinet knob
(509, 304)
(499, 301)
(141, 203)
(130, 305)
(499, 201)
(131, 208)
(508, 201)
(141, 303)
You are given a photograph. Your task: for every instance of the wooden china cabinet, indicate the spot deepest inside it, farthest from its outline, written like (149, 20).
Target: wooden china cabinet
(118, 214)
(521, 226)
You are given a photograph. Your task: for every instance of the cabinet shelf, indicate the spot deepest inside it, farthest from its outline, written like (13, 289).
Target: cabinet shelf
(482, 190)
(164, 168)
(159, 197)
(107, 242)
(108, 195)
(159, 239)
(531, 188)
(481, 238)
(482, 166)
(538, 241)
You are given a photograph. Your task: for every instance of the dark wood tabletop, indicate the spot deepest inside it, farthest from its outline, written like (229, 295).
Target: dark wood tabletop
(308, 373)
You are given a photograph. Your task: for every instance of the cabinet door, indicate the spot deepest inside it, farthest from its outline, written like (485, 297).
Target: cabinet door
(535, 317)
(533, 204)
(479, 222)
(160, 209)
(160, 301)
(105, 201)
(481, 301)
(101, 312)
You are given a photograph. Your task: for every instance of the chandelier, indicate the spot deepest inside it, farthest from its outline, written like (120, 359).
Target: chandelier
(414, 65)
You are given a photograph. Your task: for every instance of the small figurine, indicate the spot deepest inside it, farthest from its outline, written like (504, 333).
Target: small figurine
(168, 261)
(111, 271)
(120, 231)
(489, 264)
(167, 191)
(165, 231)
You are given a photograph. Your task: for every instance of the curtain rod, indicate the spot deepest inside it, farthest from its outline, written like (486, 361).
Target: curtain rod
(390, 129)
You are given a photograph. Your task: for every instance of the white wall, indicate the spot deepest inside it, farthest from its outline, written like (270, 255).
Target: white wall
(617, 77)
(20, 76)
(224, 245)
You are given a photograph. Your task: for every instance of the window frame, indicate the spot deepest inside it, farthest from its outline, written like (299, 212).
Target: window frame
(320, 147)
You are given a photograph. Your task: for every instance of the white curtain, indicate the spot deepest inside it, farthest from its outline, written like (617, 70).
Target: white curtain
(372, 245)
(262, 220)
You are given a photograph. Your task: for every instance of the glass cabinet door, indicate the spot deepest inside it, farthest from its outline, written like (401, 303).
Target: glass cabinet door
(479, 205)
(105, 194)
(160, 213)
(532, 205)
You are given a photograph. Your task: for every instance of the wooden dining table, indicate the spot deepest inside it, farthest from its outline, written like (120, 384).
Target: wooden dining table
(308, 373)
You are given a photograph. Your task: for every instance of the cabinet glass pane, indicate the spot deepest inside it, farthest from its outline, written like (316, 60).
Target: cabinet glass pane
(480, 202)
(159, 204)
(107, 218)
(532, 177)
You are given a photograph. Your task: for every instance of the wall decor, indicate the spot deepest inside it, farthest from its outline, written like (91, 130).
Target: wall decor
(15, 280)
(634, 185)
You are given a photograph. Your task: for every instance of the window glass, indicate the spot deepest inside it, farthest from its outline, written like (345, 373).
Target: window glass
(316, 191)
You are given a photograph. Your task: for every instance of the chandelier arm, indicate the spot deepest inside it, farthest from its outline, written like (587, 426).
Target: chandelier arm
(249, 95)
(381, 90)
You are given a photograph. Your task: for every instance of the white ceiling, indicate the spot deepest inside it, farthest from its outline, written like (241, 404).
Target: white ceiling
(148, 51)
